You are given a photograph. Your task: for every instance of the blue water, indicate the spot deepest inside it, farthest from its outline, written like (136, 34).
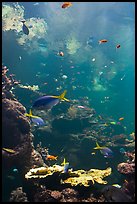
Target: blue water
(112, 21)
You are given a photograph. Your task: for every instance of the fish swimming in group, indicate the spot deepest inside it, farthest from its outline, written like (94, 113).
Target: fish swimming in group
(47, 102)
(9, 150)
(51, 157)
(114, 194)
(102, 41)
(61, 53)
(66, 5)
(35, 119)
(25, 28)
(116, 185)
(104, 150)
(121, 118)
(118, 46)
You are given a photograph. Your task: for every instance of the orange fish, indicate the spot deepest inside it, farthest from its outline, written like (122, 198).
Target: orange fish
(121, 118)
(51, 157)
(66, 4)
(102, 41)
(118, 46)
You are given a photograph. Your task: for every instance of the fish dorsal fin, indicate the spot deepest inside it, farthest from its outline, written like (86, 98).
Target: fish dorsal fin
(30, 112)
(62, 96)
(97, 146)
(63, 163)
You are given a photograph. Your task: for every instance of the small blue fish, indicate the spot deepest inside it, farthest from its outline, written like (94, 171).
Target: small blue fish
(104, 150)
(25, 28)
(122, 150)
(48, 102)
(15, 170)
(35, 119)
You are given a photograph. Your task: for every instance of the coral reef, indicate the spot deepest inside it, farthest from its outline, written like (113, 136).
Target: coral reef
(44, 195)
(129, 187)
(18, 195)
(126, 168)
(16, 133)
(36, 159)
(8, 83)
(16, 129)
(66, 195)
(85, 178)
(47, 182)
(43, 172)
(129, 166)
(79, 177)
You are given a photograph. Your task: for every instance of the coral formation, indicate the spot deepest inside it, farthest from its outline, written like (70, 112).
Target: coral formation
(16, 129)
(79, 177)
(129, 166)
(43, 172)
(126, 168)
(85, 178)
(66, 195)
(16, 133)
(18, 195)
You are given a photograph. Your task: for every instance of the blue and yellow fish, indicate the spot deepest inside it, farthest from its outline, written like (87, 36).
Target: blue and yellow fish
(66, 165)
(47, 102)
(35, 119)
(104, 150)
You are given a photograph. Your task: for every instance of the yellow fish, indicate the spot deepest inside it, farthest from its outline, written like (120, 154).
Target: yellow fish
(9, 150)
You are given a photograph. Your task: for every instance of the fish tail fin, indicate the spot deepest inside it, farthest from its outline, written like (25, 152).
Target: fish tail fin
(62, 96)
(23, 21)
(97, 146)
(29, 114)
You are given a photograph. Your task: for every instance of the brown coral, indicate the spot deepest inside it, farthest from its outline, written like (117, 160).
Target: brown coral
(18, 195)
(126, 168)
